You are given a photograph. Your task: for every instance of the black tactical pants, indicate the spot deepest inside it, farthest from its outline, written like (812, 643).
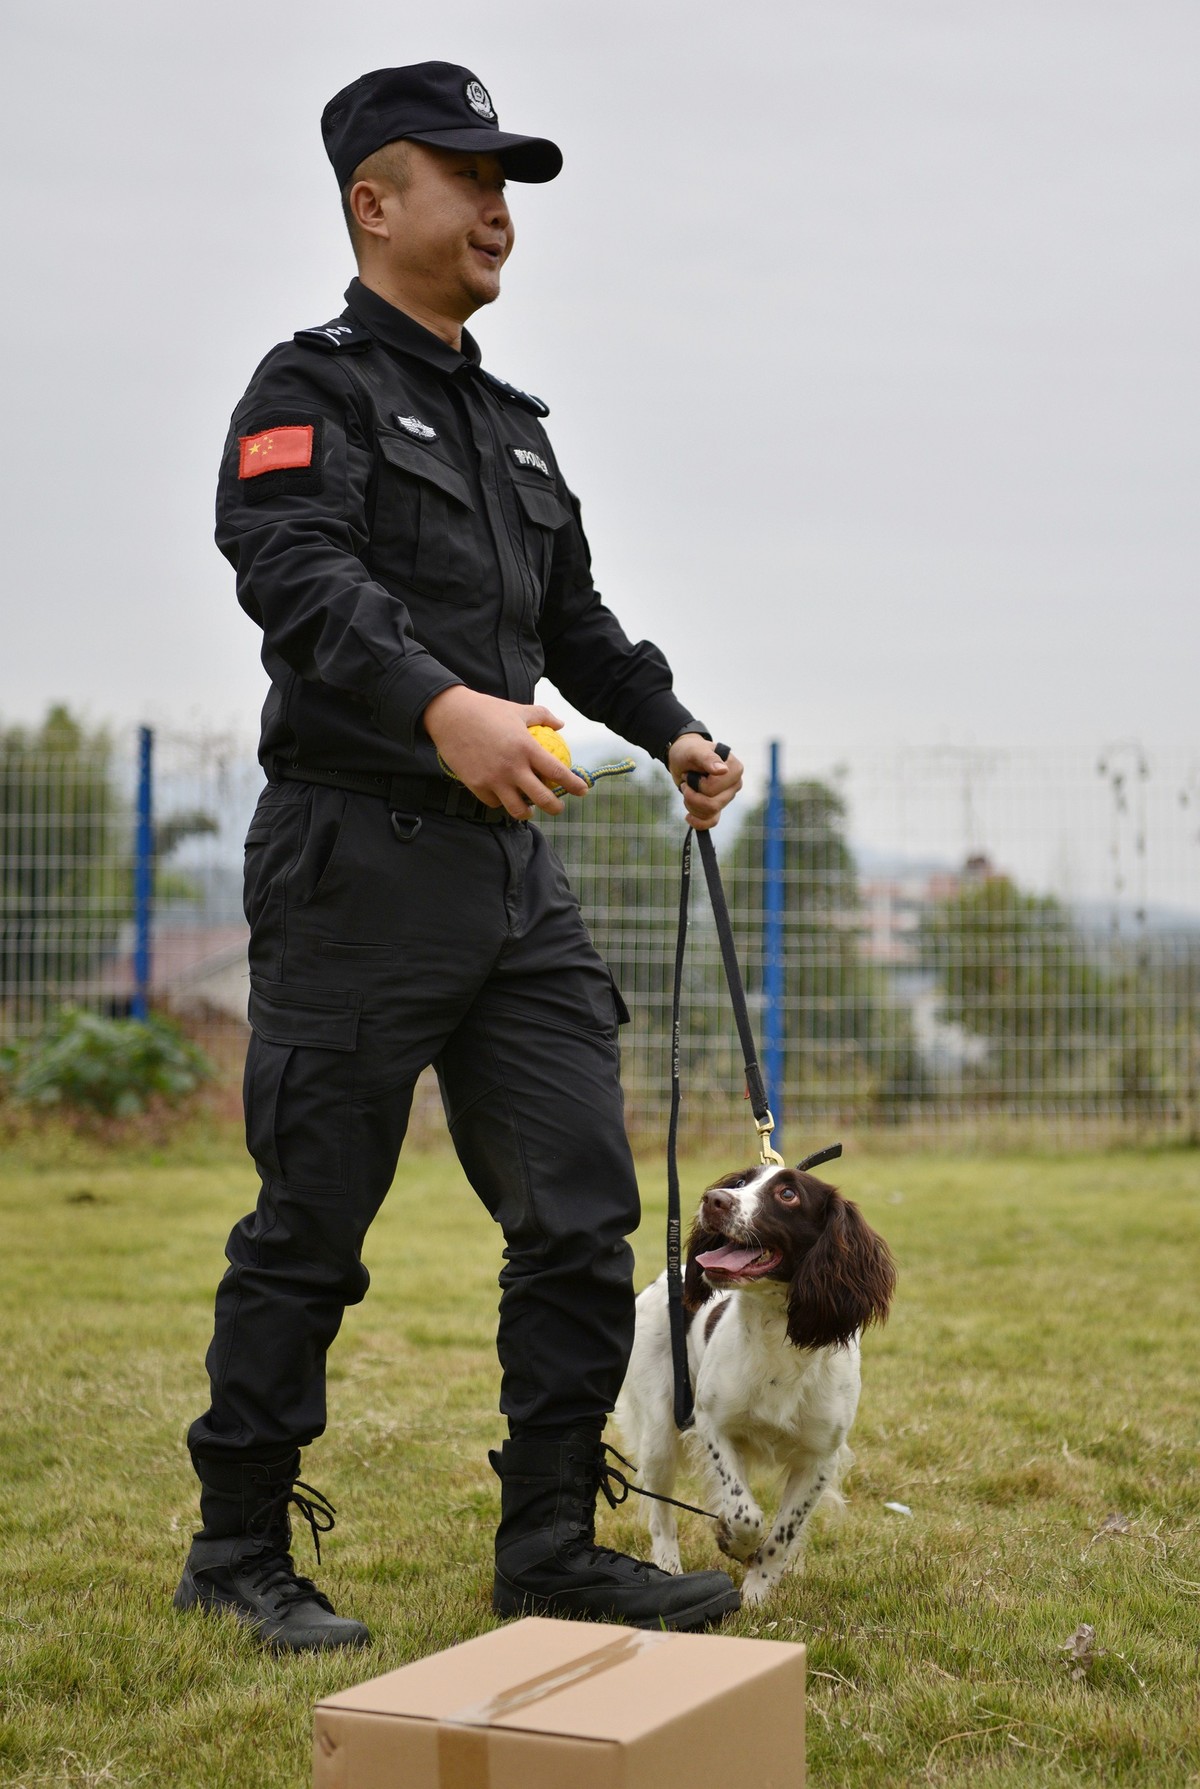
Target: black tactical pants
(371, 958)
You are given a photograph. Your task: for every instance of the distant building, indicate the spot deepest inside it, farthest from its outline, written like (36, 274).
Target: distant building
(893, 904)
(889, 924)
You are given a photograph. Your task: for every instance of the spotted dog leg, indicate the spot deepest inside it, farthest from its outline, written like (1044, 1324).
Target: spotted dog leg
(740, 1521)
(800, 1497)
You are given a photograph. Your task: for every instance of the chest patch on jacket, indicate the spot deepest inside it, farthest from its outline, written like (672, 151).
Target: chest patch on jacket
(275, 450)
(532, 462)
(412, 425)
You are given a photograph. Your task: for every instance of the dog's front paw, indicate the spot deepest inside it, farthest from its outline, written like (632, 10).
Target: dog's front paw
(724, 1537)
(756, 1587)
(667, 1559)
(738, 1536)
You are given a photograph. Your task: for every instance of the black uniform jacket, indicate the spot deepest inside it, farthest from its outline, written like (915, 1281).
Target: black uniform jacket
(398, 524)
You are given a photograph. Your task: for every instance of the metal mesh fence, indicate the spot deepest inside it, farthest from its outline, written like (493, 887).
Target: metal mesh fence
(969, 940)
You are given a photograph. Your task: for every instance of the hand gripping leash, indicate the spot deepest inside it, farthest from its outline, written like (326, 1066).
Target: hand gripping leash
(764, 1122)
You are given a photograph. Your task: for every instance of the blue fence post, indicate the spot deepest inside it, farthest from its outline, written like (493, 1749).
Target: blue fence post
(773, 977)
(143, 873)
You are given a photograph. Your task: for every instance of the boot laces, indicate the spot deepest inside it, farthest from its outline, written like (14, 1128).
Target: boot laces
(602, 1476)
(272, 1569)
(606, 1477)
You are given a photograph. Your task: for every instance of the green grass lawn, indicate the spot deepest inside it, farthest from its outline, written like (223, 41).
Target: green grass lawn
(1033, 1401)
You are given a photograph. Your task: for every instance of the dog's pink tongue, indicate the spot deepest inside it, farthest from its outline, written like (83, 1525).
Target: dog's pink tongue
(730, 1259)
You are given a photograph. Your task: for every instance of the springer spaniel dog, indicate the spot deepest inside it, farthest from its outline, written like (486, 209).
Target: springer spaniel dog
(782, 1274)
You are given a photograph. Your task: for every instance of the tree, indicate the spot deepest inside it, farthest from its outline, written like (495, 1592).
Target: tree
(63, 892)
(66, 872)
(848, 1044)
(1014, 969)
(621, 847)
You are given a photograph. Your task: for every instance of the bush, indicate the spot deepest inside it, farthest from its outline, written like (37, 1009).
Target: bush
(110, 1066)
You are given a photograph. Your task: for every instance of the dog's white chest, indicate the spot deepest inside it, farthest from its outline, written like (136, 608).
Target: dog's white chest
(752, 1383)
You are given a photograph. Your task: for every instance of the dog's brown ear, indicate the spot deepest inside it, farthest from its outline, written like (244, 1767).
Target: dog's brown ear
(844, 1282)
(696, 1288)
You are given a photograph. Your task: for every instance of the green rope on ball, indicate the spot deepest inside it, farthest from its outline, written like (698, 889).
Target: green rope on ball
(618, 767)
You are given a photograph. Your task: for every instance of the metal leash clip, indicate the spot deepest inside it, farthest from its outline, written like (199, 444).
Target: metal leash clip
(767, 1156)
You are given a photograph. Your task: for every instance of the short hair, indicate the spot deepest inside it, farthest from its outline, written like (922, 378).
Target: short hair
(393, 166)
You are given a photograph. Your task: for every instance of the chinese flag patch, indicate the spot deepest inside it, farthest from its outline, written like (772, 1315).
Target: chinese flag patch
(275, 450)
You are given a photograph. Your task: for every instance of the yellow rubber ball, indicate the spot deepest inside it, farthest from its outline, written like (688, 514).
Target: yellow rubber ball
(554, 743)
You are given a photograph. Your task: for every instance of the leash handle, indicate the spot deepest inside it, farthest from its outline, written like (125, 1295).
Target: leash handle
(694, 777)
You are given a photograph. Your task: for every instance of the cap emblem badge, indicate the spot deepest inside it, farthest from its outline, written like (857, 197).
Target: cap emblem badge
(479, 99)
(412, 425)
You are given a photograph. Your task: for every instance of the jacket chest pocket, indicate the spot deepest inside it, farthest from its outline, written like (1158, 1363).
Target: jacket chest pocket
(541, 513)
(423, 529)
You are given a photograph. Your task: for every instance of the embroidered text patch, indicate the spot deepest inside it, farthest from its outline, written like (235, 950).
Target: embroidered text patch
(534, 462)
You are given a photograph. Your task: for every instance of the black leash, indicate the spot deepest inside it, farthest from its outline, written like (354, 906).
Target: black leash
(675, 1312)
(764, 1123)
(755, 1086)
(610, 1477)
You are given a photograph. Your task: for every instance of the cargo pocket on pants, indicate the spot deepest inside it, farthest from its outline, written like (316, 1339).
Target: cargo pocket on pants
(299, 1082)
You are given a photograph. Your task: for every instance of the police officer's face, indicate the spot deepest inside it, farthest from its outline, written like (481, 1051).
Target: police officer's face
(449, 231)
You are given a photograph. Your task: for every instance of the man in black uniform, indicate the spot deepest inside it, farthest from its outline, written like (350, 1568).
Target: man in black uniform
(403, 536)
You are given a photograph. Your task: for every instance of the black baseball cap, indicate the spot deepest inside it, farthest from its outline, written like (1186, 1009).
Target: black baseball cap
(428, 102)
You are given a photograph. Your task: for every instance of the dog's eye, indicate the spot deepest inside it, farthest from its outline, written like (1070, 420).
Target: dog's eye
(786, 1195)
(732, 1185)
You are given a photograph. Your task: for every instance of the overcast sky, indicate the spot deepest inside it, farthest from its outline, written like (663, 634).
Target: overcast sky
(868, 329)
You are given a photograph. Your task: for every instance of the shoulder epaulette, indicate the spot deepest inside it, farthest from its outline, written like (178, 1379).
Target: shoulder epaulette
(526, 399)
(337, 337)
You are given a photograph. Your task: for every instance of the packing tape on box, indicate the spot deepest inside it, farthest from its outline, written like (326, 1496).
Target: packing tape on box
(462, 1736)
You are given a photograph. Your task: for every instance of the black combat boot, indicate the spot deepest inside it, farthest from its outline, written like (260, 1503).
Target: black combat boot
(547, 1560)
(241, 1558)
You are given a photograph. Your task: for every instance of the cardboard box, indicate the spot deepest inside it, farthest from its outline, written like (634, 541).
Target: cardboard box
(573, 1705)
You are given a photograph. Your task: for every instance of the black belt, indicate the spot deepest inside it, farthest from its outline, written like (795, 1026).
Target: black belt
(403, 794)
